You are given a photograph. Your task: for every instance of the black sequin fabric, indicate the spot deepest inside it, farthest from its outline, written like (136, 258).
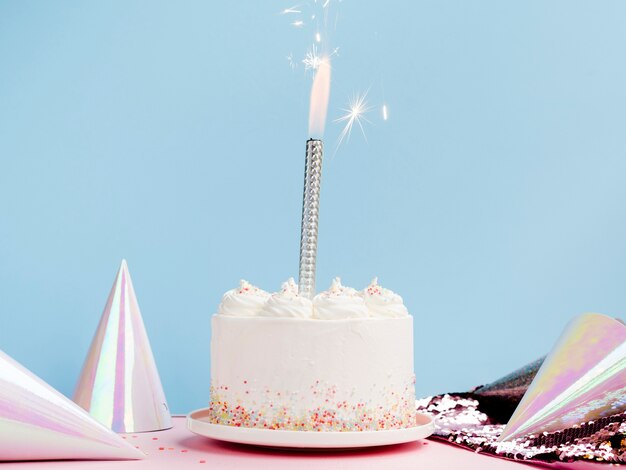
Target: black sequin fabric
(474, 420)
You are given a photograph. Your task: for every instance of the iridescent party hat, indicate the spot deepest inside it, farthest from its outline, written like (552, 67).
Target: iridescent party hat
(38, 423)
(119, 384)
(582, 379)
(514, 384)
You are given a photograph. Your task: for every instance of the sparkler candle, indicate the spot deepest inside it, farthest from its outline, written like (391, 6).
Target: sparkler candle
(320, 92)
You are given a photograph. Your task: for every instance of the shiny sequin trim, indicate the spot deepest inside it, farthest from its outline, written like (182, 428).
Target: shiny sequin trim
(459, 420)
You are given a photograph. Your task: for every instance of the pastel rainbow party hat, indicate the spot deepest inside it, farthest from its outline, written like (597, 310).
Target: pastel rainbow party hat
(119, 384)
(581, 380)
(39, 423)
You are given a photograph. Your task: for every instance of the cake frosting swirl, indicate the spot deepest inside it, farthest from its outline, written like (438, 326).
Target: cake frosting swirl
(339, 302)
(382, 302)
(245, 301)
(287, 303)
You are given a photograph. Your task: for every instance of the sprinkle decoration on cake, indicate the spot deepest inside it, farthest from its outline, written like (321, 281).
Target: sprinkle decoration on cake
(333, 415)
(342, 362)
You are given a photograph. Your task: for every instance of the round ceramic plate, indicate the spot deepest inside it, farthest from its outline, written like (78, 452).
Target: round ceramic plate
(197, 422)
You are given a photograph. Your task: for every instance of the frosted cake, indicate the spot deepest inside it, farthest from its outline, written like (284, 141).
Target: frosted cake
(342, 362)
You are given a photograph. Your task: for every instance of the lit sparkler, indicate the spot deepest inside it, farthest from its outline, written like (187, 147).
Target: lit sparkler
(320, 92)
(385, 113)
(355, 114)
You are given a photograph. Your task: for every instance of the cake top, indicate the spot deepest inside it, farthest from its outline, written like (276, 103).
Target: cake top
(337, 289)
(338, 302)
(245, 301)
(288, 303)
(289, 289)
(383, 302)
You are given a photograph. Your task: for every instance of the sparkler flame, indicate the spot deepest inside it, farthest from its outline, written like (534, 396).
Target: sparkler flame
(320, 92)
(312, 59)
(355, 114)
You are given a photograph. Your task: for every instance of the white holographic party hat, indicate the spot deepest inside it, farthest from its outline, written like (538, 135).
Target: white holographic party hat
(39, 423)
(581, 380)
(119, 384)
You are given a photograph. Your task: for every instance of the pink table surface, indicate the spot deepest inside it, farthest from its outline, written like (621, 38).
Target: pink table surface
(179, 448)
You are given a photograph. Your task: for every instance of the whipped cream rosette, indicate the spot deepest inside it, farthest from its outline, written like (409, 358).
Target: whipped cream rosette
(339, 302)
(288, 303)
(245, 301)
(383, 302)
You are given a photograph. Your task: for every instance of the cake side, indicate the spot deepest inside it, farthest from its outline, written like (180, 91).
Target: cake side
(352, 374)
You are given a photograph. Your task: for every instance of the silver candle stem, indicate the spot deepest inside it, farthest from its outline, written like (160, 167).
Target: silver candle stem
(310, 217)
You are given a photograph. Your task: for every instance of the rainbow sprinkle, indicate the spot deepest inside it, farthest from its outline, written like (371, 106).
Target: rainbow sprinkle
(281, 411)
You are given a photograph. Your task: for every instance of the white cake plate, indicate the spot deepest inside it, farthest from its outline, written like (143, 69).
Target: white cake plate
(197, 422)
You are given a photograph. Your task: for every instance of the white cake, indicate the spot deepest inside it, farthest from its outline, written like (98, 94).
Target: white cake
(343, 362)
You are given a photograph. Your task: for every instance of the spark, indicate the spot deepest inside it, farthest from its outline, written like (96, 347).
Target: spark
(355, 114)
(292, 64)
(293, 9)
(385, 113)
(312, 60)
(298, 24)
(318, 37)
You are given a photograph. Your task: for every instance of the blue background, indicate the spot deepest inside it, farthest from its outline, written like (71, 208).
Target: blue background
(173, 134)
